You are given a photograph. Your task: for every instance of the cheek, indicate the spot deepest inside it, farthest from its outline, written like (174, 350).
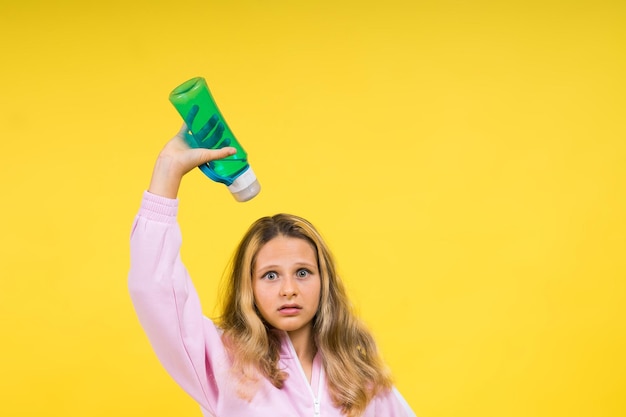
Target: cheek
(256, 290)
(260, 298)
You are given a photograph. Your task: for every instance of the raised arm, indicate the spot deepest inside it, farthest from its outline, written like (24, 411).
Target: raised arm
(187, 344)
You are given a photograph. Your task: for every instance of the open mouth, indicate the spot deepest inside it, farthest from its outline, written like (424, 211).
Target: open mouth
(290, 309)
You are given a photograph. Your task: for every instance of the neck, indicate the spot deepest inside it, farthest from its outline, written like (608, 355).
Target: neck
(303, 343)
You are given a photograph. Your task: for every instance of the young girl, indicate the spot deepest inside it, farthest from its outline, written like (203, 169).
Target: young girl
(287, 343)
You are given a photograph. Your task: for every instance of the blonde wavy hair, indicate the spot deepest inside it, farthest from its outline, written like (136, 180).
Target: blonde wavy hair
(355, 371)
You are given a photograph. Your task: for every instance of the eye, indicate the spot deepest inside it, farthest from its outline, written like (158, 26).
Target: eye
(270, 276)
(303, 273)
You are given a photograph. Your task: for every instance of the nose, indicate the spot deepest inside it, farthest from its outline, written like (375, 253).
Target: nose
(288, 288)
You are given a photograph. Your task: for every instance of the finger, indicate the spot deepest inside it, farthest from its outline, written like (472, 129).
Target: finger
(216, 135)
(206, 155)
(208, 126)
(223, 152)
(192, 114)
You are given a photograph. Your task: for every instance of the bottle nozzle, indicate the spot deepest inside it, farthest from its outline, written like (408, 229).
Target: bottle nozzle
(245, 187)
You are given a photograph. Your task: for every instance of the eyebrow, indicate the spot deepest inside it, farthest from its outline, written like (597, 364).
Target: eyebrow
(274, 266)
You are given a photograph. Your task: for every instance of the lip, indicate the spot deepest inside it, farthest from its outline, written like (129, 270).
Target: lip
(289, 309)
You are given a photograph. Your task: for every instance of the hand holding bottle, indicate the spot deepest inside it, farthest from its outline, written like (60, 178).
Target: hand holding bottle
(176, 159)
(208, 129)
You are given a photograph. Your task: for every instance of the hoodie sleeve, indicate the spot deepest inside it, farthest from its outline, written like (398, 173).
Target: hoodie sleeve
(187, 344)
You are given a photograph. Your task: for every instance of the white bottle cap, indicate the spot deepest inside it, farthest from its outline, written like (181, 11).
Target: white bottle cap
(245, 186)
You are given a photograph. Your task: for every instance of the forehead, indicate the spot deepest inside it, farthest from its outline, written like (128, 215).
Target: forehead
(285, 249)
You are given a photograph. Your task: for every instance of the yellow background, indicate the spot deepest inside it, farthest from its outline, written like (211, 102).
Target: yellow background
(465, 161)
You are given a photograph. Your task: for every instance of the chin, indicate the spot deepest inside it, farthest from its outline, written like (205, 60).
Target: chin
(288, 327)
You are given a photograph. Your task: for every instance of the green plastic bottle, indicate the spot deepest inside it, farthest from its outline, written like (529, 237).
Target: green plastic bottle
(208, 129)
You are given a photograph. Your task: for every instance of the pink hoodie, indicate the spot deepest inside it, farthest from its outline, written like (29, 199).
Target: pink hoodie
(189, 345)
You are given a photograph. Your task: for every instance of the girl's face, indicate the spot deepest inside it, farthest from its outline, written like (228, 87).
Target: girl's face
(286, 283)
